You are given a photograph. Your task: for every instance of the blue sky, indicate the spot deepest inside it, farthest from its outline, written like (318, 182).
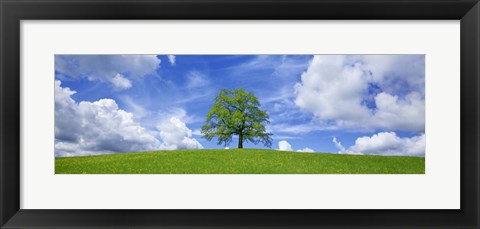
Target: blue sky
(357, 104)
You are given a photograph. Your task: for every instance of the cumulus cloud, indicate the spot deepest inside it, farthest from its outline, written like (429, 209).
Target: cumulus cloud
(99, 127)
(171, 59)
(306, 150)
(342, 149)
(106, 68)
(386, 143)
(395, 113)
(176, 135)
(396, 73)
(331, 90)
(367, 92)
(284, 146)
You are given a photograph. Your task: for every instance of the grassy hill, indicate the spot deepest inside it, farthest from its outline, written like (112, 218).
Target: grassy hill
(238, 161)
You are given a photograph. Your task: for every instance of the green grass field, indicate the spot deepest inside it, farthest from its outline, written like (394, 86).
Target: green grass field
(238, 161)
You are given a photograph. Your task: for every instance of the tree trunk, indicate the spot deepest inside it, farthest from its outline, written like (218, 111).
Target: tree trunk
(240, 141)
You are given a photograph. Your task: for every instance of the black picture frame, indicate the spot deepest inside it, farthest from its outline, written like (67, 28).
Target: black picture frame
(13, 11)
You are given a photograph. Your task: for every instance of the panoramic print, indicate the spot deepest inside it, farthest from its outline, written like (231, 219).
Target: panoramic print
(239, 114)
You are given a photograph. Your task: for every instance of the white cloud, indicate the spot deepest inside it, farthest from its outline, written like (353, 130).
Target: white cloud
(331, 90)
(386, 143)
(306, 150)
(171, 59)
(67, 122)
(394, 73)
(342, 149)
(120, 82)
(337, 89)
(98, 127)
(284, 146)
(175, 135)
(401, 114)
(174, 132)
(106, 68)
(339, 145)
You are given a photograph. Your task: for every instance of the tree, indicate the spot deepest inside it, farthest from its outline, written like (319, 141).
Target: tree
(236, 112)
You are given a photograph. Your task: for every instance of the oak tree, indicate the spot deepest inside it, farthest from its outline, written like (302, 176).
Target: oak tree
(236, 112)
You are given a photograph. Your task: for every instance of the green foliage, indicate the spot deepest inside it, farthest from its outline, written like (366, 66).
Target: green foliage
(249, 161)
(236, 112)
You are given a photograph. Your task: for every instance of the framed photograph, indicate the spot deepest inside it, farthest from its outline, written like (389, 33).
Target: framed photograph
(239, 114)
